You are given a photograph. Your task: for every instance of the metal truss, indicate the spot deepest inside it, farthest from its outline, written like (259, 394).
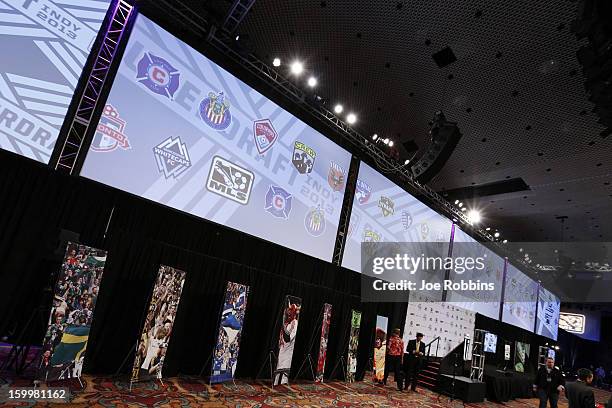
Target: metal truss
(90, 98)
(345, 212)
(478, 356)
(237, 13)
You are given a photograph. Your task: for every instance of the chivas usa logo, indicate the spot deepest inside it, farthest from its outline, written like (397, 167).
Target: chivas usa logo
(303, 157)
(314, 222)
(214, 111)
(278, 202)
(109, 133)
(158, 75)
(363, 192)
(264, 135)
(230, 180)
(335, 177)
(386, 205)
(172, 157)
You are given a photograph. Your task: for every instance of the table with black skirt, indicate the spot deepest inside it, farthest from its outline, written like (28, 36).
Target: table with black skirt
(504, 386)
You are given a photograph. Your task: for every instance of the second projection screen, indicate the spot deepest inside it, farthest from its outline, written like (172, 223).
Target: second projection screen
(180, 130)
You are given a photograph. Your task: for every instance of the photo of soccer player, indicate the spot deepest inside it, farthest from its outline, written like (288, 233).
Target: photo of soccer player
(286, 341)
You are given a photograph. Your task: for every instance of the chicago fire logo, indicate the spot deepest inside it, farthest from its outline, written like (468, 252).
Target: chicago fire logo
(386, 205)
(264, 134)
(214, 111)
(363, 192)
(109, 133)
(230, 180)
(303, 157)
(314, 222)
(278, 202)
(335, 177)
(172, 157)
(158, 75)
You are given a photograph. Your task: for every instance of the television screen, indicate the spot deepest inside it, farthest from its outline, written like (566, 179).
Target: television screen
(490, 343)
(549, 307)
(520, 298)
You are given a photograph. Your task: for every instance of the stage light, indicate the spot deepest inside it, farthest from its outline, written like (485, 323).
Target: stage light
(407, 161)
(237, 37)
(338, 109)
(496, 235)
(374, 136)
(460, 204)
(557, 347)
(505, 241)
(386, 141)
(297, 68)
(456, 202)
(351, 118)
(276, 62)
(390, 143)
(312, 82)
(474, 216)
(488, 228)
(463, 209)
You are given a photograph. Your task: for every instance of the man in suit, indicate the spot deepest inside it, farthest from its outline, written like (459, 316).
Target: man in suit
(579, 394)
(549, 382)
(416, 353)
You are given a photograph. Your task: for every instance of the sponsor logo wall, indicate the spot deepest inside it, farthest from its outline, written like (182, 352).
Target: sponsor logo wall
(212, 146)
(353, 346)
(225, 357)
(157, 330)
(286, 339)
(327, 309)
(380, 348)
(74, 301)
(45, 44)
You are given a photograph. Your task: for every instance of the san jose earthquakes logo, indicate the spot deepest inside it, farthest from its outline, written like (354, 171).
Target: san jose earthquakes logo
(335, 177)
(278, 202)
(363, 192)
(109, 134)
(172, 157)
(214, 111)
(158, 75)
(303, 157)
(265, 135)
(314, 222)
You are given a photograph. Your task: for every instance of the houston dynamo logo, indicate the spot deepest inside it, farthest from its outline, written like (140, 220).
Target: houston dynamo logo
(214, 111)
(172, 157)
(230, 180)
(278, 202)
(109, 134)
(158, 75)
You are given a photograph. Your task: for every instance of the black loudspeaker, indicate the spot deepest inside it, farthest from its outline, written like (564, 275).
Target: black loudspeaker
(444, 138)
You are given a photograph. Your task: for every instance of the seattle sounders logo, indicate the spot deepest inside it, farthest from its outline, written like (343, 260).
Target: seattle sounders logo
(158, 75)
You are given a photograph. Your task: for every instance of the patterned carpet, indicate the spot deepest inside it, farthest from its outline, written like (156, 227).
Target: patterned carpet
(186, 392)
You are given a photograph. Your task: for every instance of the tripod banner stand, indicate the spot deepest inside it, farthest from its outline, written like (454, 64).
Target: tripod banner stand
(286, 340)
(353, 345)
(74, 300)
(327, 308)
(380, 348)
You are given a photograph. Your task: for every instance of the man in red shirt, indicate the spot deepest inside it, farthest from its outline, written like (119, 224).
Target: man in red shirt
(395, 359)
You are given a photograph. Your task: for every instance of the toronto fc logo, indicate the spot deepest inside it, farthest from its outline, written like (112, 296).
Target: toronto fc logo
(109, 134)
(157, 75)
(215, 111)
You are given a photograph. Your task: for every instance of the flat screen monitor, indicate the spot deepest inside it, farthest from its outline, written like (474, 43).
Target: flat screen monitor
(549, 307)
(490, 343)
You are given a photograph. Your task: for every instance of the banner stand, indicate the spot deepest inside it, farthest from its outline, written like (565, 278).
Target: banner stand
(313, 339)
(19, 352)
(342, 363)
(271, 360)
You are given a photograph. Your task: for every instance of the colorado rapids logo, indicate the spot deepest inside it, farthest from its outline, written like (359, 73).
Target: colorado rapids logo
(303, 157)
(386, 205)
(264, 134)
(335, 177)
(172, 157)
(109, 134)
(314, 222)
(158, 75)
(214, 111)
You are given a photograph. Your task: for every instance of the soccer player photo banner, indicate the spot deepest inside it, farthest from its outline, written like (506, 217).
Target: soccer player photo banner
(380, 348)
(157, 330)
(225, 357)
(353, 345)
(521, 356)
(286, 340)
(74, 300)
(327, 308)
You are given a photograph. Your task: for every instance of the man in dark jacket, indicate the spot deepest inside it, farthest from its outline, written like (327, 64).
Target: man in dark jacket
(549, 382)
(579, 394)
(416, 351)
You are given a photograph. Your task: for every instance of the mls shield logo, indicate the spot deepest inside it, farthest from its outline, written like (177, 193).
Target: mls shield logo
(109, 134)
(363, 192)
(335, 177)
(386, 205)
(158, 75)
(264, 135)
(230, 180)
(278, 202)
(314, 222)
(214, 111)
(172, 157)
(303, 157)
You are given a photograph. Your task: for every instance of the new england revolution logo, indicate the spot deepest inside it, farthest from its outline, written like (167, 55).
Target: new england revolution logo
(363, 192)
(278, 202)
(109, 134)
(314, 222)
(158, 75)
(303, 157)
(335, 177)
(214, 111)
(264, 134)
(230, 180)
(172, 157)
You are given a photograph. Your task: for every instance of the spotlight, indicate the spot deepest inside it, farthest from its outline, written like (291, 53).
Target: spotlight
(390, 143)
(496, 235)
(374, 136)
(463, 209)
(237, 37)
(474, 216)
(338, 109)
(407, 161)
(276, 62)
(505, 241)
(488, 228)
(460, 204)
(557, 347)
(351, 118)
(456, 202)
(297, 68)
(312, 82)
(386, 141)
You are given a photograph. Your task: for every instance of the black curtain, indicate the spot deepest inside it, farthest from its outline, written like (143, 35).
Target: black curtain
(139, 235)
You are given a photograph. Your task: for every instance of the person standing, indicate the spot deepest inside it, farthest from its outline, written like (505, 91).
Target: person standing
(416, 351)
(579, 394)
(600, 376)
(549, 382)
(395, 359)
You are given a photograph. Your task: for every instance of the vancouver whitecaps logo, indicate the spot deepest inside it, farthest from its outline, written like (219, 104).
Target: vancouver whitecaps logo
(172, 157)
(158, 75)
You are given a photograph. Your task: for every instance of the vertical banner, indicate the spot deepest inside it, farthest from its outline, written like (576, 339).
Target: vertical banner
(327, 308)
(74, 300)
(286, 341)
(155, 336)
(225, 357)
(521, 355)
(380, 348)
(353, 345)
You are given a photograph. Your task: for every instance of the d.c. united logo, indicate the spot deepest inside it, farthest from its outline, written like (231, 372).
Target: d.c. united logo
(109, 133)
(303, 157)
(386, 205)
(172, 157)
(214, 111)
(278, 202)
(335, 177)
(264, 135)
(314, 222)
(363, 192)
(158, 75)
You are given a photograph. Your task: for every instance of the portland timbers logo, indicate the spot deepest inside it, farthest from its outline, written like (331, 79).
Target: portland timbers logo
(158, 75)
(386, 205)
(303, 157)
(215, 111)
(172, 157)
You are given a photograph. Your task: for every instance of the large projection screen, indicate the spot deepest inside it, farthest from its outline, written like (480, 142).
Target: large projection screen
(384, 212)
(180, 130)
(44, 45)
(520, 298)
(549, 307)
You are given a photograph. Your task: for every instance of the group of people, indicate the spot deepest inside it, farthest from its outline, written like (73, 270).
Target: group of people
(405, 370)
